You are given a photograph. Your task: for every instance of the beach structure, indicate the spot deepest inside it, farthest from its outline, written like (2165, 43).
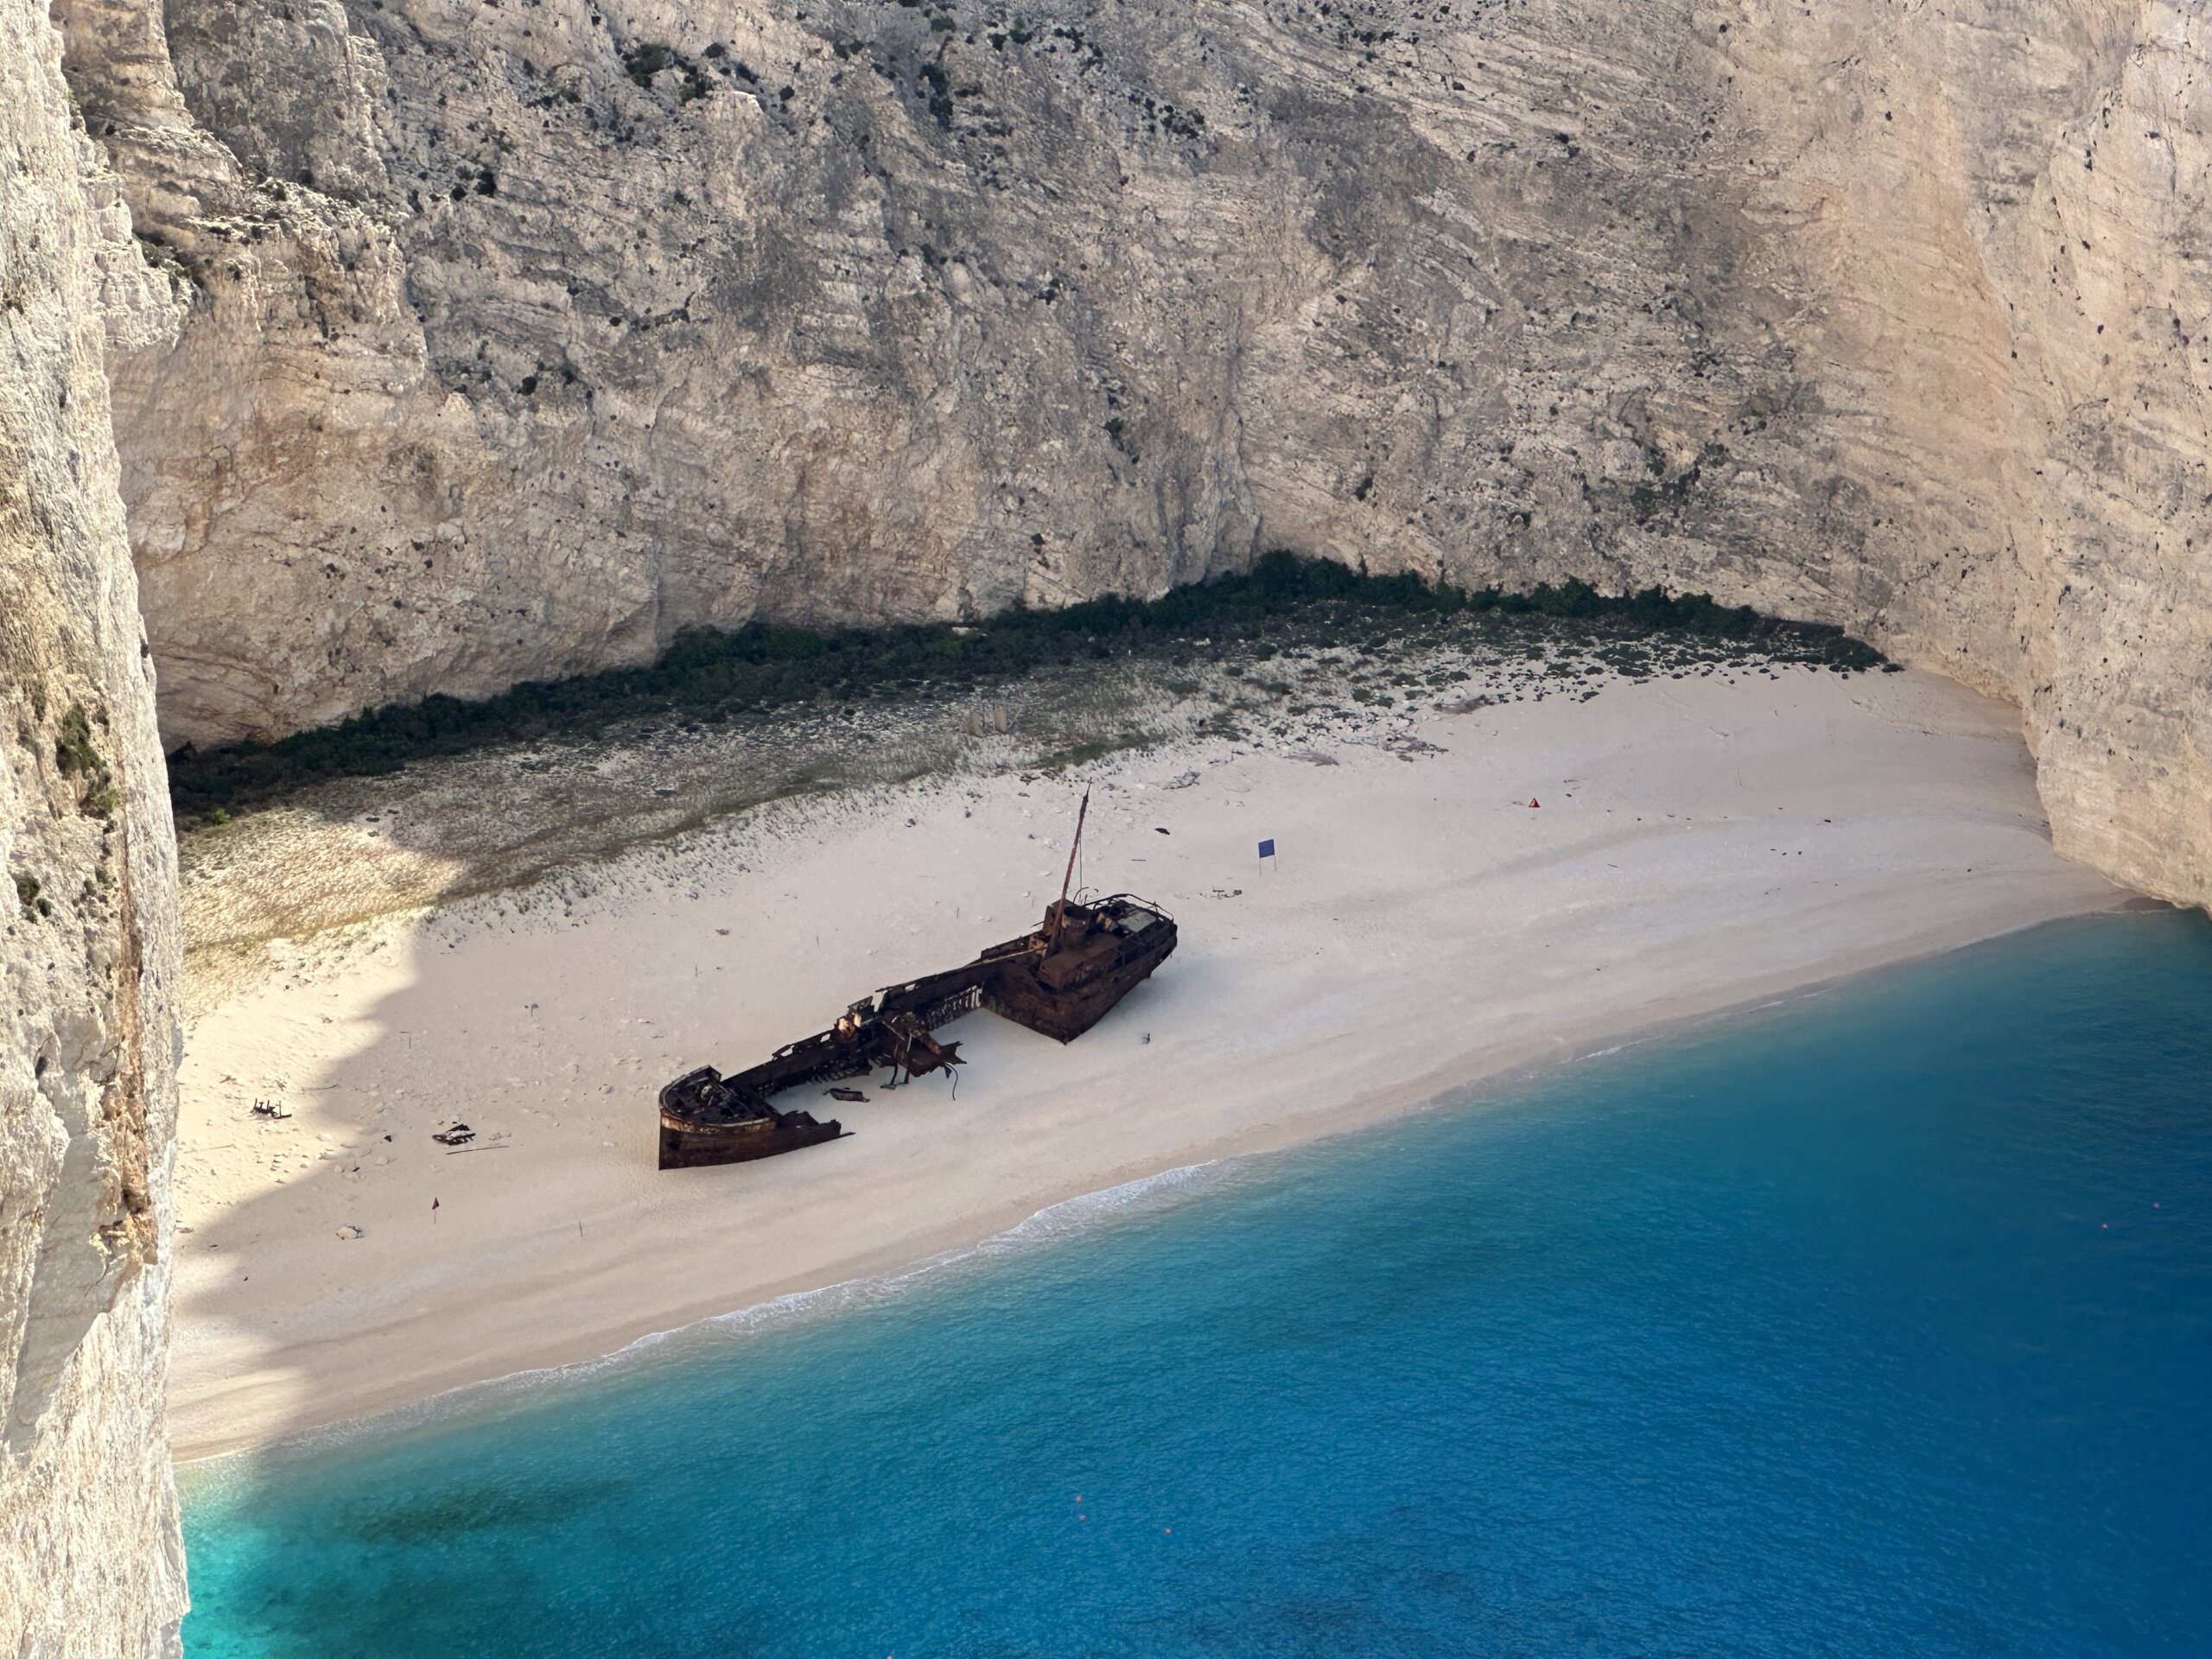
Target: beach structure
(1061, 978)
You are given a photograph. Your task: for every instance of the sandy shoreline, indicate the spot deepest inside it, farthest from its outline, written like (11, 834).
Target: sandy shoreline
(1701, 844)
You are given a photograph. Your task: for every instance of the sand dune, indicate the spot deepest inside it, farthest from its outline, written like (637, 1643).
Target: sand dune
(1699, 844)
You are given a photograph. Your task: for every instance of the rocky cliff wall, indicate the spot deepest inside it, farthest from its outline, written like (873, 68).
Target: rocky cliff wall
(89, 1554)
(526, 332)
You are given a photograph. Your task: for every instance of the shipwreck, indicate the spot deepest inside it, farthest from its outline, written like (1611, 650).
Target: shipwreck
(1061, 978)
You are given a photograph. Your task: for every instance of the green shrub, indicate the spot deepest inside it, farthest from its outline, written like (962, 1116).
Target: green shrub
(73, 747)
(645, 61)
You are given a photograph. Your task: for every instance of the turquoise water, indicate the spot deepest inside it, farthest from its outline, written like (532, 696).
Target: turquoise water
(1878, 1324)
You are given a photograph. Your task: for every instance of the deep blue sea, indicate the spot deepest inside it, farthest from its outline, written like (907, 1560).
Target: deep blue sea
(1878, 1323)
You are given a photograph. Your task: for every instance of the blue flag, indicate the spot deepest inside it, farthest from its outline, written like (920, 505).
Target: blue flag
(1267, 848)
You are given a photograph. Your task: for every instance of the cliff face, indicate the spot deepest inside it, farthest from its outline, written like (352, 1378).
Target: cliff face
(517, 335)
(527, 332)
(89, 1560)
(2007, 319)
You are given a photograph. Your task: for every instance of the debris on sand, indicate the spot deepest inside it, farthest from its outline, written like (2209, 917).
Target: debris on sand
(1406, 745)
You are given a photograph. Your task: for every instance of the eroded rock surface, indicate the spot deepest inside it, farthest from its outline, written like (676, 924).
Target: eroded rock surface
(90, 1560)
(526, 333)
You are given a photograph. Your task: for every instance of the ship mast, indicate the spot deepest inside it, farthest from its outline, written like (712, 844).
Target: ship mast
(1060, 905)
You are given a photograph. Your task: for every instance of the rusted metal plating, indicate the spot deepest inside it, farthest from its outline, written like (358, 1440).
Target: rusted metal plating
(1060, 979)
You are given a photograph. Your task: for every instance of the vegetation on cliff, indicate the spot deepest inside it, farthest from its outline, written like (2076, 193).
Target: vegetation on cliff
(712, 675)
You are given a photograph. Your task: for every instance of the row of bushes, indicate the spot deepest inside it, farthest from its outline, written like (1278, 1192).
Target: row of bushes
(711, 675)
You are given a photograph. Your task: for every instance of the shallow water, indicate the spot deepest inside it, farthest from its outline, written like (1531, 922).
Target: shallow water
(1878, 1322)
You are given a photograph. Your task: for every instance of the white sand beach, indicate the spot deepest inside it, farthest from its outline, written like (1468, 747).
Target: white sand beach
(1549, 877)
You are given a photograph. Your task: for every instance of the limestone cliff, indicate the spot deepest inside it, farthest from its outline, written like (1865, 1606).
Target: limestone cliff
(527, 332)
(89, 1553)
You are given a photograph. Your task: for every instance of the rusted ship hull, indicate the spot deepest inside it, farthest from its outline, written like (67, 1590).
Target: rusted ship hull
(706, 1118)
(1024, 991)
(686, 1146)
(1060, 981)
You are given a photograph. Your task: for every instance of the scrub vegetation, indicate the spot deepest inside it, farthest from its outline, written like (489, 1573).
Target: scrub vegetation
(1236, 623)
